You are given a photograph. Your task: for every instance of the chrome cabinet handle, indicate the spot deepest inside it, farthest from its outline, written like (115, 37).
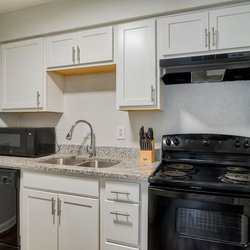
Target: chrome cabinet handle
(214, 36)
(59, 209)
(119, 192)
(78, 54)
(53, 209)
(120, 213)
(206, 38)
(38, 98)
(152, 93)
(73, 54)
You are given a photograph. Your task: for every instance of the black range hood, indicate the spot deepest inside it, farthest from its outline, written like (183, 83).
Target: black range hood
(208, 68)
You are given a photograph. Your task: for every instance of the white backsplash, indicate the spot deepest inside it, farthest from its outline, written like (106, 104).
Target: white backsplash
(191, 108)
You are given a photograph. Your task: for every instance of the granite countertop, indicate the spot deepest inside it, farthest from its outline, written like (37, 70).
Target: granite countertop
(126, 169)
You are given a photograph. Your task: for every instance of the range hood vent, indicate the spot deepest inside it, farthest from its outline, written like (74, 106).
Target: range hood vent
(209, 68)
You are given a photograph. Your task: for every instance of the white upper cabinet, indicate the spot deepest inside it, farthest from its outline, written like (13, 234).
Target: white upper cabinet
(96, 45)
(88, 46)
(183, 34)
(220, 29)
(22, 74)
(136, 65)
(61, 50)
(25, 85)
(229, 27)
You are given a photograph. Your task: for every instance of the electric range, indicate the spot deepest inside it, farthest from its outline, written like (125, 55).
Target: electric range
(199, 195)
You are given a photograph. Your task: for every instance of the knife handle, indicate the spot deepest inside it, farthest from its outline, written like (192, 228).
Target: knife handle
(150, 133)
(141, 132)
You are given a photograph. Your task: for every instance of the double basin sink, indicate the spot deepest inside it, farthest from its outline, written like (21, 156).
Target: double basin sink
(82, 162)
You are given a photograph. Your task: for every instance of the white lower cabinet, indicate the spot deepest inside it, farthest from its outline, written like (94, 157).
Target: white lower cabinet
(79, 223)
(75, 213)
(122, 222)
(39, 221)
(56, 221)
(123, 215)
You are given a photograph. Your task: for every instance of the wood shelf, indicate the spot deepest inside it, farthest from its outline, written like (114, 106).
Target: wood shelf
(101, 69)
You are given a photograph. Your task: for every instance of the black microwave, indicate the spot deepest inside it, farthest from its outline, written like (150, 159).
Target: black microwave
(29, 142)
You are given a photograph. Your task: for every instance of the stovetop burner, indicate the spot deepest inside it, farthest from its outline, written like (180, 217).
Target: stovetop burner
(236, 178)
(174, 174)
(207, 162)
(237, 170)
(182, 167)
(236, 175)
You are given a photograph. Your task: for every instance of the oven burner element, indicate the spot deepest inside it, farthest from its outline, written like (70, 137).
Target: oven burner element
(174, 174)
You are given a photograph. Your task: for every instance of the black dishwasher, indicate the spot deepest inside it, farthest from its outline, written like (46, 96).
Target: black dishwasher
(9, 209)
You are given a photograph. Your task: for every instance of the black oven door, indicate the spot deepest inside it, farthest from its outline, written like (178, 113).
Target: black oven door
(180, 220)
(13, 141)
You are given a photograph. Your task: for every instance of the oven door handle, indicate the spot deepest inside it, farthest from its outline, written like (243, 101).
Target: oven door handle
(208, 197)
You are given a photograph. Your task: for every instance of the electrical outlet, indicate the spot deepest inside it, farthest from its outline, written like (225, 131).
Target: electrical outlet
(120, 132)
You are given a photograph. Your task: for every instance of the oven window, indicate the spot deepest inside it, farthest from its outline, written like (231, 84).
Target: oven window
(10, 140)
(212, 226)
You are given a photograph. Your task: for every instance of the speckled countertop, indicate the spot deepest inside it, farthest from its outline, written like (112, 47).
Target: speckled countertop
(126, 169)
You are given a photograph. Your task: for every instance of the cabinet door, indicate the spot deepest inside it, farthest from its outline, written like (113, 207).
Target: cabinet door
(95, 45)
(229, 27)
(39, 221)
(182, 34)
(22, 74)
(78, 223)
(61, 50)
(136, 65)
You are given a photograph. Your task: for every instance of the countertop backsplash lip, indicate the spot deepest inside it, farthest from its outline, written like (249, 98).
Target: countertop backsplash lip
(125, 153)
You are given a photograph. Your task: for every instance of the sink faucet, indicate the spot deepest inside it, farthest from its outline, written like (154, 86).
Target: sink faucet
(90, 149)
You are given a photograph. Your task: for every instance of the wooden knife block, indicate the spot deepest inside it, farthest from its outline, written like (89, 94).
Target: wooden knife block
(148, 156)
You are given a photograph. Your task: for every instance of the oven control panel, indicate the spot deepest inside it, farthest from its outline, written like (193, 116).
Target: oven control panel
(213, 143)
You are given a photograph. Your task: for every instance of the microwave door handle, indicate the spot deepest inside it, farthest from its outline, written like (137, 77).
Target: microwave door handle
(201, 197)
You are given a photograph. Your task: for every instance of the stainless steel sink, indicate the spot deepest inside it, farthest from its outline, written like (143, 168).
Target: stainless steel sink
(64, 160)
(81, 162)
(98, 163)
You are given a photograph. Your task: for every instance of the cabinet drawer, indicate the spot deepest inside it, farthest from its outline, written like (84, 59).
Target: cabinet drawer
(122, 191)
(121, 222)
(111, 246)
(69, 184)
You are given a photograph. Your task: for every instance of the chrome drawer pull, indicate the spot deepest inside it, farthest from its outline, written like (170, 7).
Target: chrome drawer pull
(120, 213)
(53, 209)
(119, 192)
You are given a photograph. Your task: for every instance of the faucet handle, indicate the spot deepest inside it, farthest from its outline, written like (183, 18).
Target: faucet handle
(91, 150)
